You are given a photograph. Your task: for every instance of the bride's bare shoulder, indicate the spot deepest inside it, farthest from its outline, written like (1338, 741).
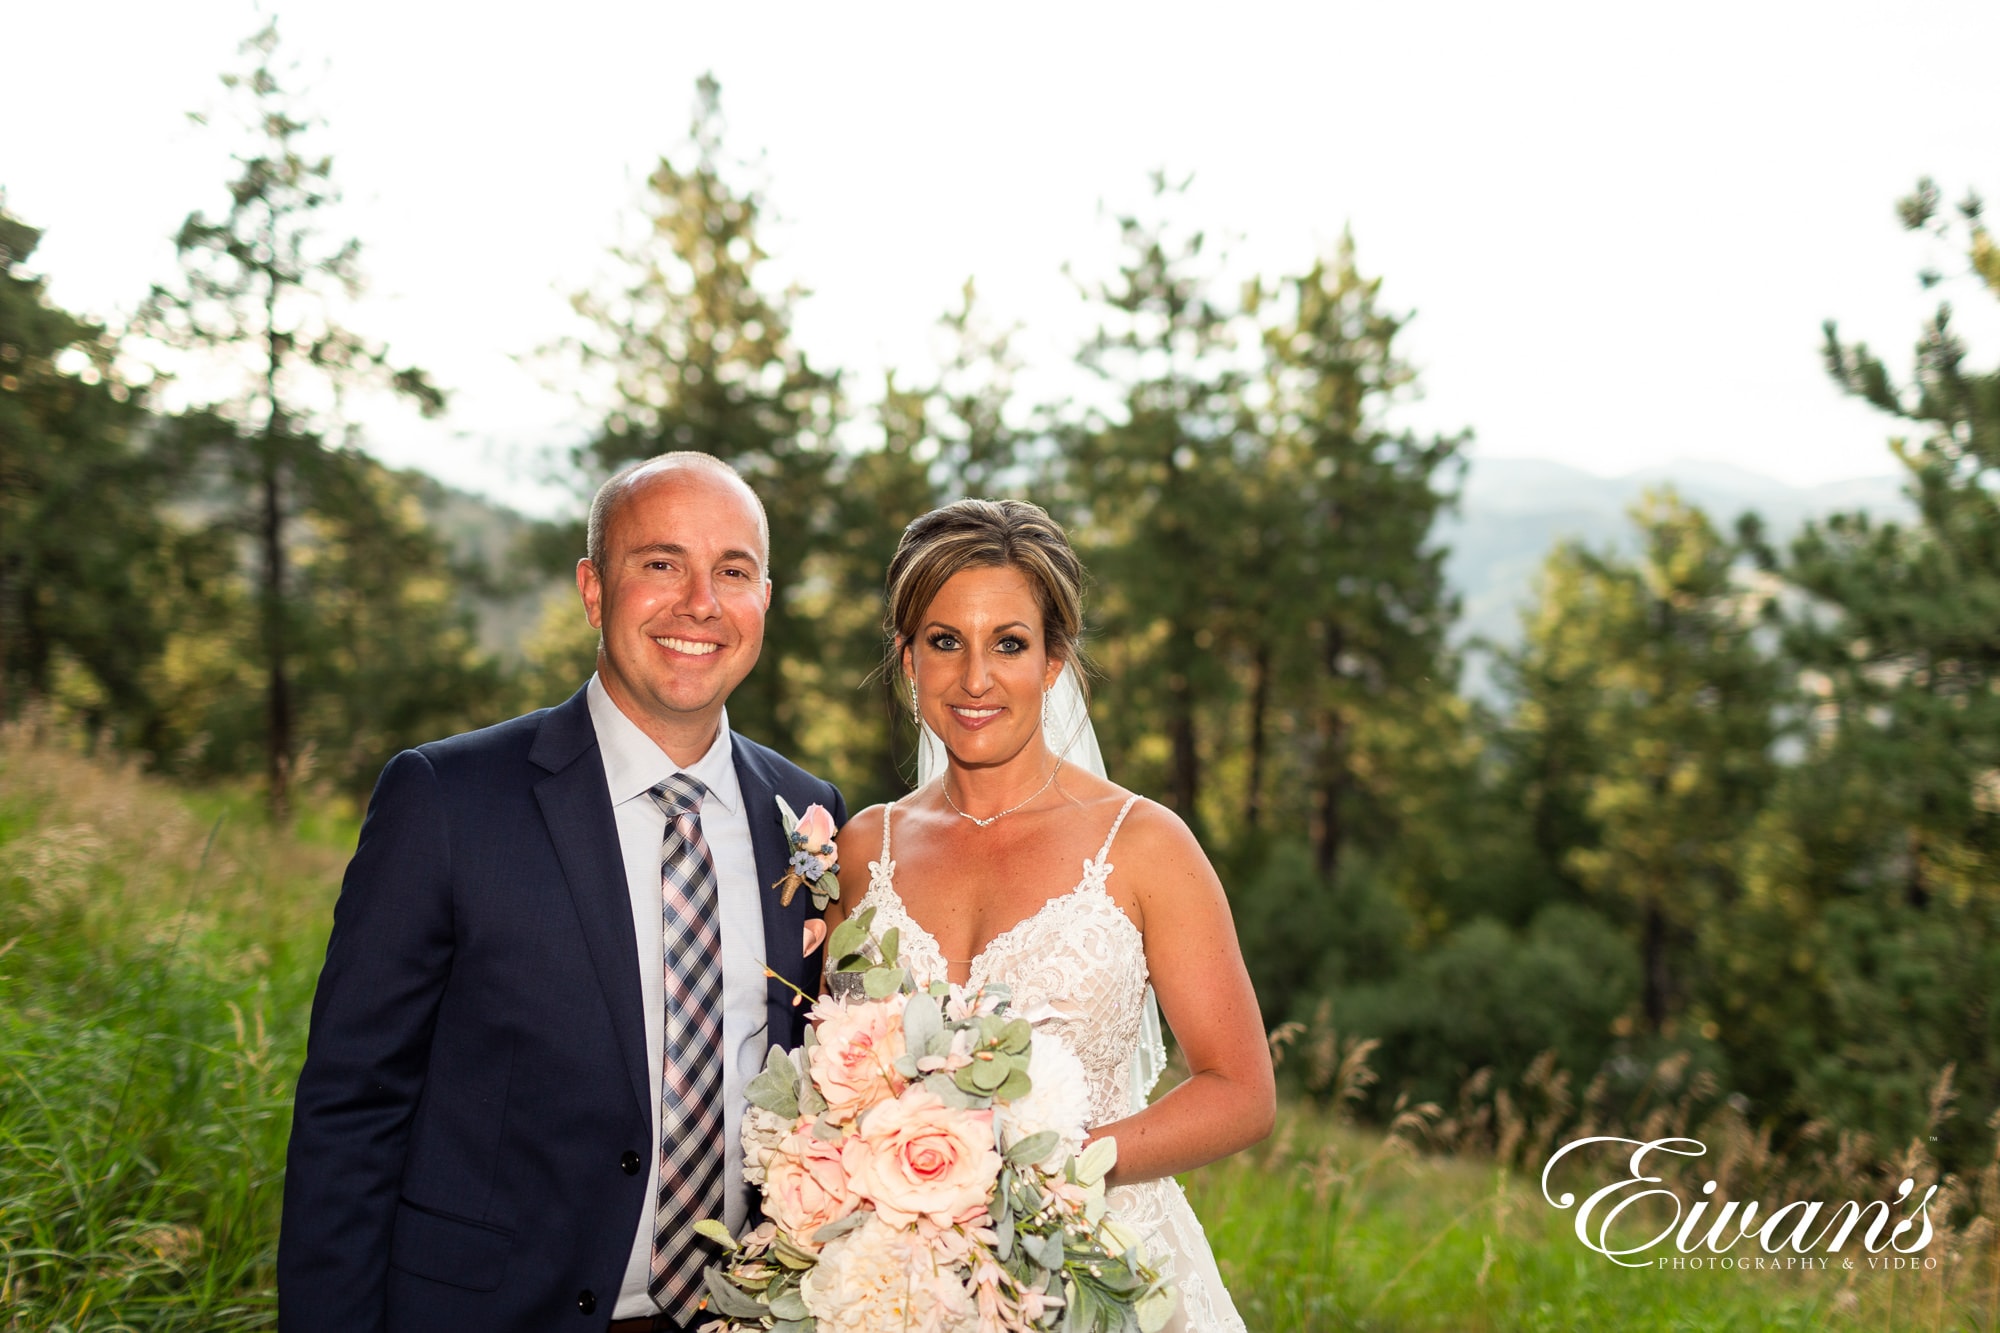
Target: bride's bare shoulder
(858, 842)
(1156, 843)
(861, 833)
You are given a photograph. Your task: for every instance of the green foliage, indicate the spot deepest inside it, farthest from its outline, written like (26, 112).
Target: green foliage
(700, 356)
(256, 296)
(1487, 997)
(1651, 669)
(85, 548)
(156, 966)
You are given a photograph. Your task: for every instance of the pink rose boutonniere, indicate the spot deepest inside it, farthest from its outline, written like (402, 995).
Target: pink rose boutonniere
(809, 840)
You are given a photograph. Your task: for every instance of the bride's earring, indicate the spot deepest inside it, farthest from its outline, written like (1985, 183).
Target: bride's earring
(917, 716)
(1045, 710)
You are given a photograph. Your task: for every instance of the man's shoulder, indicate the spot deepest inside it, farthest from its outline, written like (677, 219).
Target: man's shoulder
(488, 750)
(782, 771)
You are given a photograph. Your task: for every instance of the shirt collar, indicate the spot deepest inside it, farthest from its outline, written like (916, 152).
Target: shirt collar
(634, 764)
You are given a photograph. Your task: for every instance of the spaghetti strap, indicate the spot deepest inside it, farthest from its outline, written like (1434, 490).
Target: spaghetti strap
(887, 810)
(1102, 852)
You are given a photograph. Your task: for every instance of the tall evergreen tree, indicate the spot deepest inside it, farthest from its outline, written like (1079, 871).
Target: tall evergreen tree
(1652, 668)
(1354, 609)
(1157, 495)
(257, 293)
(84, 552)
(1889, 851)
(700, 356)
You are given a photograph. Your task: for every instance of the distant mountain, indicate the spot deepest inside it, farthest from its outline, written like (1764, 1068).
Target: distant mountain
(1514, 510)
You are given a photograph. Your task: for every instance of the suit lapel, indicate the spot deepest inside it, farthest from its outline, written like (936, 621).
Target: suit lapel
(577, 809)
(784, 927)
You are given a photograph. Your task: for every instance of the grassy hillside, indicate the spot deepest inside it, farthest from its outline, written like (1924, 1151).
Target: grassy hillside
(157, 956)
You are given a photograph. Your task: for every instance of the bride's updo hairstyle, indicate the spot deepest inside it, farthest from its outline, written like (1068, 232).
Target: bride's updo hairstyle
(987, 534)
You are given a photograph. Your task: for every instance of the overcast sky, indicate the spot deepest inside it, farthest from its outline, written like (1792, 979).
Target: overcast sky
(1620, 225)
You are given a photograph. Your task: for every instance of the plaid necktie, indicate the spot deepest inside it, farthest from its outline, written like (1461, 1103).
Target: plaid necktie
(691, 1072)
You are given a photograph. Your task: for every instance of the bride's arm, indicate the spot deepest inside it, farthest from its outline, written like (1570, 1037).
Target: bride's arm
(1230, 1097)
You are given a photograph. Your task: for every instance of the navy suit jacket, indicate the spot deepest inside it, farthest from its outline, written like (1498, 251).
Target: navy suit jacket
(474, 1116)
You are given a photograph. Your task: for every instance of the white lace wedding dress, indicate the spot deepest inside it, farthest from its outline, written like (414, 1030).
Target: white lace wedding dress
(1082, 957)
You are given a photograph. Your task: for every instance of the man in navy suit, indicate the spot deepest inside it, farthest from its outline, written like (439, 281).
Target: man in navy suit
(477, 1143)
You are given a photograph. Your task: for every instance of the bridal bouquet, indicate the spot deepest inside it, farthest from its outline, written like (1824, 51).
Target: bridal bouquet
(923, 1171)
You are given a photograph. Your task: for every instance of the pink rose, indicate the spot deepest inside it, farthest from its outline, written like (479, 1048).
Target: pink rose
(806, 1187)
(853, 1066)
(816, 831)
(916, 1158)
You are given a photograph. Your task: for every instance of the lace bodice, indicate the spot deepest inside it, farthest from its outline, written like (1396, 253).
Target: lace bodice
(1076, 966)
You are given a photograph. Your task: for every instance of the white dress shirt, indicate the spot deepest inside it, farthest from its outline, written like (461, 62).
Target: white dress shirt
(633, 765)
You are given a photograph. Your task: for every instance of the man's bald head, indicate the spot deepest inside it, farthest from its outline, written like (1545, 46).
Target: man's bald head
(621, 483)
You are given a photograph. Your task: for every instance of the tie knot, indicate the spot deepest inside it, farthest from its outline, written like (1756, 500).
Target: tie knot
(679, 795)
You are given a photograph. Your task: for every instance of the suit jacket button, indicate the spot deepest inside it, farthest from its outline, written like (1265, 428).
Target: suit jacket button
(629, 1163)
(586, 1301)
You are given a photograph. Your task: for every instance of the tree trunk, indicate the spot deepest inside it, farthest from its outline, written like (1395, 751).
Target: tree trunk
(1260, 704)
(1657, 986)
(1183, 775)
(277, 689)
(1330, 729)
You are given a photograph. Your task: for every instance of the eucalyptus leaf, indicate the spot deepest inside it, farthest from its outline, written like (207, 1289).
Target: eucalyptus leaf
(716, 1232)
(1096, 1160)
(892, 943)
(791, 1256)
(1016, 1085)
(1155, 1308)
(981, 1078)
(825, 1130)
(772, 1095)
(1015, 1035)
(806, 1325)
(882, 982)
(730, 1299)
(949, 1092)
(1003, 1236)
(906, 1065)
(1033, 1148)
(836, 1229)
(847, 938)
(922, 1020)
(789, 1305)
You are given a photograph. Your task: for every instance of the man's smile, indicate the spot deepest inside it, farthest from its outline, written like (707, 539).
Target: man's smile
(693, 647)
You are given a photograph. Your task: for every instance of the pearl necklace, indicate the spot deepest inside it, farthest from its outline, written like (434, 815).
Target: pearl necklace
(945, 787)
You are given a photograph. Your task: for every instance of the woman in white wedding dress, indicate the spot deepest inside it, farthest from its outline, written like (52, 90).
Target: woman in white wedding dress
(1016, 863)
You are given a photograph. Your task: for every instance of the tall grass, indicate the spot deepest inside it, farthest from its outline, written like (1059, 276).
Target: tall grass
(158, 950)
(156, 964)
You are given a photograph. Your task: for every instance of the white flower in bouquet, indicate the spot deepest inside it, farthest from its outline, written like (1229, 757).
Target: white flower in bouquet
(761, 1133)
(880, 1277)
(1059, 1101)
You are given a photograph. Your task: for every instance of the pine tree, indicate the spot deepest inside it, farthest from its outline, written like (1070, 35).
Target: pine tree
(1661, 709)
(85, 557)
(1351, 608)
(1156, 497)
(700, 356)
(258, 291)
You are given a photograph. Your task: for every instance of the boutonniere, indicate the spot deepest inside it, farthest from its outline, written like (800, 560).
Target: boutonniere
(809, 839)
